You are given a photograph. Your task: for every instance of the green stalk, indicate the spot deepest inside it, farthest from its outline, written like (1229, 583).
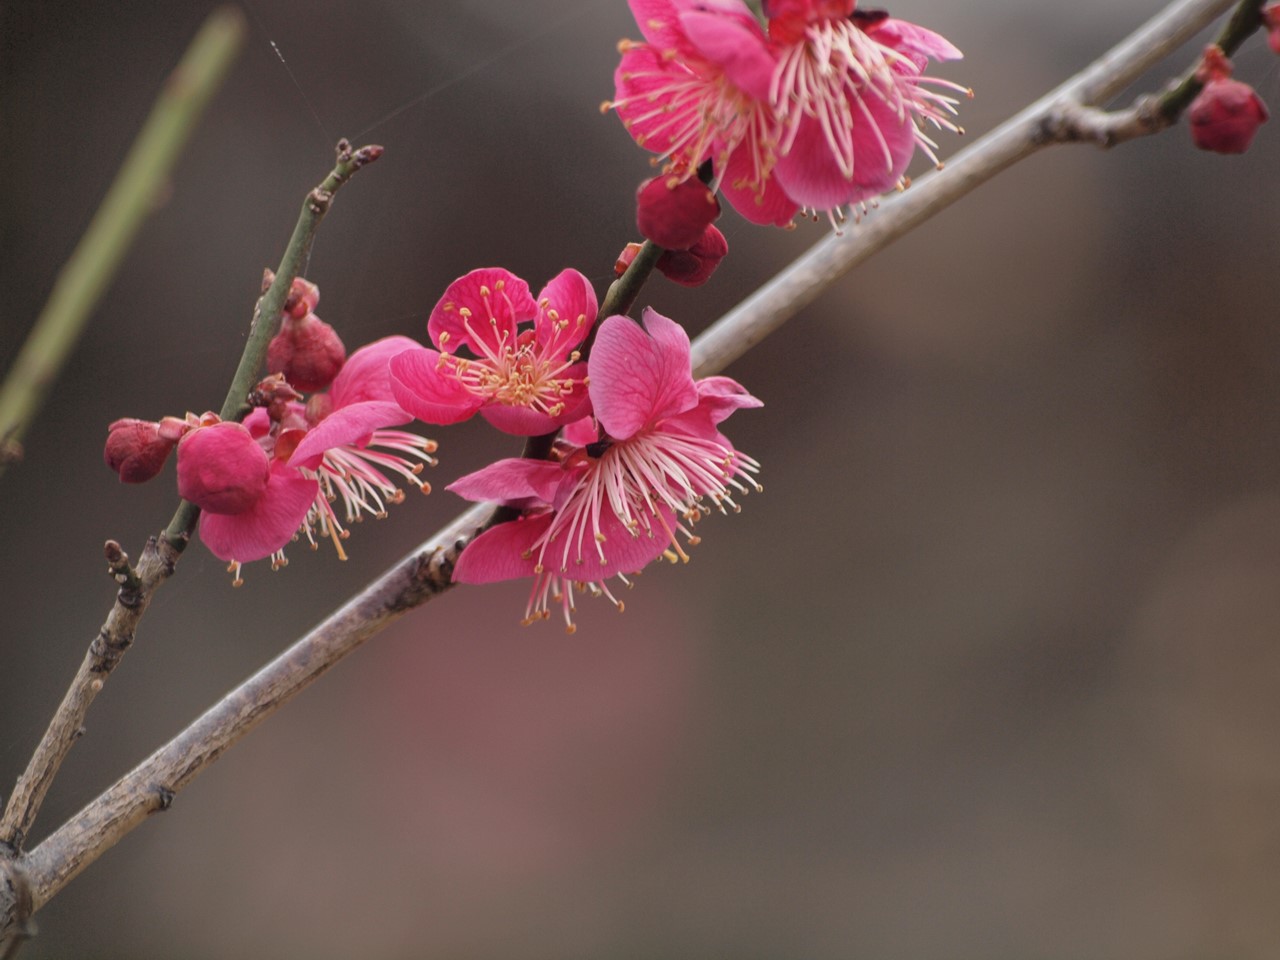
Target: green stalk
(86, 276)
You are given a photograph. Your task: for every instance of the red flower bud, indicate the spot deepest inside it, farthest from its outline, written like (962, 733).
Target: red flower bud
(1226, 114)
(1271, 18)
(222, 469)
(624, 258)
(693, 267)
(673, 213)
(303, 298)
(136, 450)
(307, 351)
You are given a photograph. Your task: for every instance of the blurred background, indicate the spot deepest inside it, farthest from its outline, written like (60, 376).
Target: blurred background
(989, 670)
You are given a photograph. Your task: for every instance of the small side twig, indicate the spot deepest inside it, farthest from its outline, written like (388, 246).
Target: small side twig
(1078, 120)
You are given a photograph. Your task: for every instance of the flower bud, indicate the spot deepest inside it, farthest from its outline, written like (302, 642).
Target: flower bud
(221, 468)
(673, 213)
(307, 351)
(624, 258)
(1271, 19)
(693, 267)
(303, 298)
(136, 450)
(1226, 114)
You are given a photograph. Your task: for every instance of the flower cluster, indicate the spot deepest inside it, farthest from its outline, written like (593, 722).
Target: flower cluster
(626, 483)
(821, 108)
(292, 467)
(641, 457)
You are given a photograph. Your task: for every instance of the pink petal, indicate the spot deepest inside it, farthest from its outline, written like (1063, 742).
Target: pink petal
(497, 299)
(737, 46)
(421, 388)
(571, 297)
(349, 426)
(513, 479)
(649, 109)
(518, 421)
(498, 553)
(222, 468)
(656, 20)
(638, 377)
(582, 433)
(883, 144)
(526, 422)
(722, 396)
(268, 525)
(916, 42)
(366, 374)
(625, 551)
(768, 207)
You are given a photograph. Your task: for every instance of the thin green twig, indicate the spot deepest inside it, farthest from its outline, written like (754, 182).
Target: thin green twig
(86, 276)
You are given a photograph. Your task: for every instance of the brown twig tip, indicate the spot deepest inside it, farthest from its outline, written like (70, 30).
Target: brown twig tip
(118, 567)
(366, 155)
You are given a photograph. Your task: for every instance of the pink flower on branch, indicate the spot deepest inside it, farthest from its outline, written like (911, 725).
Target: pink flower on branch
(822, 111)
(626, 486)
(281, 473)
(526, 381)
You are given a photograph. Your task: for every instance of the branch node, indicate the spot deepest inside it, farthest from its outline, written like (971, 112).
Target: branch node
(125, 575)
(164, 798)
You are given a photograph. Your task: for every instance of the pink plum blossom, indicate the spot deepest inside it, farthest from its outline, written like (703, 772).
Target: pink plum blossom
(526, 381)
(281, 473)
(648, 466)
(822, 109)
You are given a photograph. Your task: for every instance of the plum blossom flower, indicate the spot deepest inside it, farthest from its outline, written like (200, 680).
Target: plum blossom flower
(523, 381)
(304, 469)
(625, 486)
(822, 110)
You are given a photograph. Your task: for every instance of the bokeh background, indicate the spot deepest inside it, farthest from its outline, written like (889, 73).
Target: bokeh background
(989, 670)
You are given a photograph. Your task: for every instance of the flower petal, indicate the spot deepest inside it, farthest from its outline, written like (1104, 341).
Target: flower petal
(918, 43)
(268, 525)
(721, 396)
(481, 311)
(638, 377)
(625, 550)
(737, 45)
(366, 374)
(509, 480)
(568, 315)
(500, 553)
(883, 142)
(431, 395)
(764, 204)
(581, 432)
(348, 426)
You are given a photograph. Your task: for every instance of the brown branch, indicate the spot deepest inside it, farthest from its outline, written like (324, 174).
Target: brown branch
(151, 787)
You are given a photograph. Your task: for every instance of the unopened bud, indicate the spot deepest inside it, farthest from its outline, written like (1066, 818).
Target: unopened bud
(1226, 114)
(693, 267)
(274, 393)
(627, 255)
(1271, 19)
(673, 213)
(222, 469)
(307, 351)
(136, 450)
